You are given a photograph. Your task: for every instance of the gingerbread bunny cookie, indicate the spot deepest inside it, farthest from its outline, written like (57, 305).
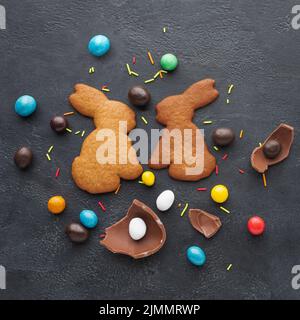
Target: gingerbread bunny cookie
(94, 171)
(187, 157)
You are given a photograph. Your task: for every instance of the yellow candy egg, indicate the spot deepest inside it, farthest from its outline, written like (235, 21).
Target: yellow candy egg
(56, 204)
(219, 193)
(148, 178)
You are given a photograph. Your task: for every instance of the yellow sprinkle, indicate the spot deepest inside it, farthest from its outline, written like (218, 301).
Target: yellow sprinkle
(207, 122)
(230, 88)
(134, 73)
(69, 113)
(69, 130)
(156, 75)
(227, 101)
(91, 70)
(141, 182)
(144, 119)
(229, 267)
(150, 57)
(184, 209)
(83, 132)
(216, 148)
(160, 74)
(116, 192)
(225, 210)
(128, 69)
(105, 89)
(241, 134)
(264, 180)
(77, 132)
(260, 144)
(50, 149)
(163, 71)
(48, 157)
(179, 205)
(164, 29)
(150, 80)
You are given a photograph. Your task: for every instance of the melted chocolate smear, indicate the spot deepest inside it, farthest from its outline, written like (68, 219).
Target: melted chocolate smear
(118, 240)
(284, 134)
(204, 222)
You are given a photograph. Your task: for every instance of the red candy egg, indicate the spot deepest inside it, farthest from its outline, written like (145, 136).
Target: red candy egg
(256, 225)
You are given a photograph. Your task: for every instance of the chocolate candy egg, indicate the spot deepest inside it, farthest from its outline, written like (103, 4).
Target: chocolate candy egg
(271, 149)
(137, 228)
(59, 124)
(23, 157)
(196, 256)
(139, 96)
(165, 200)
(223, 136)
(76, 232)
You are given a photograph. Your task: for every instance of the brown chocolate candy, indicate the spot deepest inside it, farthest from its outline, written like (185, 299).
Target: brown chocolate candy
(272, 149)
(76, 232)
(204, 222)
(23, 157)
(139, 96)
(118, 240)
(223, 136)
(284, 135)
(59, 124)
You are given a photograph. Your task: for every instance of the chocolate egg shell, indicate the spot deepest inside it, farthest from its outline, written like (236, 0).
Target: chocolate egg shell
(59, 124)
(204, 222)
(284, 134)
(76, 232)
(139, 96)
(223, 136)
(23, 157)
(118, 240)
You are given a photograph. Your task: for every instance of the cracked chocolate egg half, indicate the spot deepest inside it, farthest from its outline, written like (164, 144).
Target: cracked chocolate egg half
(283, 135)
(204, 222)
(118, 240)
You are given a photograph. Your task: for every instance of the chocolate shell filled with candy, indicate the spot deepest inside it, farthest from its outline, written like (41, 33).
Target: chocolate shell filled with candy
(118, 240)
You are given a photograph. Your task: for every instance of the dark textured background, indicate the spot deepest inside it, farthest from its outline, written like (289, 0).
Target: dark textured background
(43, 52)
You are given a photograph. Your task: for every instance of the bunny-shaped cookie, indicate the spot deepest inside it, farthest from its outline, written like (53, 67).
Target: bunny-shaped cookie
(88, 171)
(176, 113)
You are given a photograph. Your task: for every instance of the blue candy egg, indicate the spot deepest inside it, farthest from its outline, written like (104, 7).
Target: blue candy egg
(88, 218)
(25, 106)
(196, 255)
(99, 45)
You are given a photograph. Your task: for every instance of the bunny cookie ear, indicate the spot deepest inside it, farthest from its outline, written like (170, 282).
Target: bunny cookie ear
(86, 99)
(201, 93)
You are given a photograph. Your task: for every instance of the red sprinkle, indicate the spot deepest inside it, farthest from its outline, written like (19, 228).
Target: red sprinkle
(134, 60)
(57, 173)
(241, 171)
(217, 170)
(201, 189)
(102, 206)
(225, 156)
(102, 235)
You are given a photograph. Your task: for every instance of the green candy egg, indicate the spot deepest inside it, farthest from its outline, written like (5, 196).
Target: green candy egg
(169, 62)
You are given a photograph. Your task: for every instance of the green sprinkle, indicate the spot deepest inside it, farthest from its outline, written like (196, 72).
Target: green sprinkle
(184, 209)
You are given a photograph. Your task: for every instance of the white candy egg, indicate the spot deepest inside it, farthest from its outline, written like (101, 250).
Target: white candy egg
(137, 228)
(165, 200)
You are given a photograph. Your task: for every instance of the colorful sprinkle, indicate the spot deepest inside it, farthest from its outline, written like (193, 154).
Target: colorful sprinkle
(133, 60)
(264, 180)
(48, 157)
(164, 29)
(184, 209)
(217, 170)
(103, 235)
(201, 189)
(91, 70)
(69, 130)
(216, 148)
(144, 119)
(69, 113)
(241, 134)
(225, 156)
(150, 57)
(50, 149)
(224, 209)
(207, 122)
(134, 74)
(149, 80)
(241, 171)
(83, 133)
(118, 189)
(105, 89)
(227, 101)
(229, 267)
(77, 132)
(57, 172)
(128, 68)
(230, 88)
(156, 74)
(101, 206)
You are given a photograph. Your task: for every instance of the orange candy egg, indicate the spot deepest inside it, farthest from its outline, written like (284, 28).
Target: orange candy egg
(56, 204)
